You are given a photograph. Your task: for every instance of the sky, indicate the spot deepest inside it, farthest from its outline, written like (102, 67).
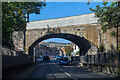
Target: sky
(72, 0)
(63, 9)
(59, 40)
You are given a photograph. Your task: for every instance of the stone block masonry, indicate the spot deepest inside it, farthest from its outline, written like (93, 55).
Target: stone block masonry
(86, 26)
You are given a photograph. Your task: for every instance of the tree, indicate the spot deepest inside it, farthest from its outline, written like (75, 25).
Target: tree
(68, 50)
(14, 15)
(109, 17)
(78, 52)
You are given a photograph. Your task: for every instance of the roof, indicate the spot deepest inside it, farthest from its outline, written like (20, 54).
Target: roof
(63, 50)
(66, 21)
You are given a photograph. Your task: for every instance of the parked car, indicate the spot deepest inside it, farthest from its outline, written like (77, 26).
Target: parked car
(46, 58)
(64, 60)
(39, 59)
(57, 60)
(53, 58)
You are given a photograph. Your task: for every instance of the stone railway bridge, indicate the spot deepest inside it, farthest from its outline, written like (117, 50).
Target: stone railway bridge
(83, 30)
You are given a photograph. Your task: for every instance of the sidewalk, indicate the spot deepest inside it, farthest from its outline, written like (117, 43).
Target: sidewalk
(14, 73)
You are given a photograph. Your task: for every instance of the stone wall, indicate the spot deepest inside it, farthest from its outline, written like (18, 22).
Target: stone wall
(34, 34)
(108, 40)
(12, 59)
(91, 32)
(95, 35)
(18, 39)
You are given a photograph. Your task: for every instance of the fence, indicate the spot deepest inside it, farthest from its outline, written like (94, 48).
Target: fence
(12, 58)
(102, 62)
(101, 58)
(75, 59)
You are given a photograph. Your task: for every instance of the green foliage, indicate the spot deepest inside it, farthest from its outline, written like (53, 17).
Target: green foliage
(78, 52)
(68, 50)
(117, 51)
(109, 15)
(113, 34)
(14, 15)
(101, 48)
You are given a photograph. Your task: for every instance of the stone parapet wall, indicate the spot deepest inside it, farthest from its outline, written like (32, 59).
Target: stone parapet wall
(11, 59)
(65, 21)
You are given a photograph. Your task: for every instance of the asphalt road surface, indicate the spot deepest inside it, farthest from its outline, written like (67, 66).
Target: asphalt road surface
(52, 71)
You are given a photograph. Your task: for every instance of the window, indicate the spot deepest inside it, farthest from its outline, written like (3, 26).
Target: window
(41, 53)
(75, 47)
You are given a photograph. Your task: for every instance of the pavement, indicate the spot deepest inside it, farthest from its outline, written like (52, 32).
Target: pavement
(48, 70)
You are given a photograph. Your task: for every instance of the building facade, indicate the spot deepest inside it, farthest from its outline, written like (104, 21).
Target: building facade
(43, 50)
(75, 49)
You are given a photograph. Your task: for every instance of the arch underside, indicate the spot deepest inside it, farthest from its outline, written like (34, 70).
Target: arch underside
(81, 42)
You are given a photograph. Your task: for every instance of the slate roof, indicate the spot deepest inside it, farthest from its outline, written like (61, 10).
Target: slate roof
(66, 21)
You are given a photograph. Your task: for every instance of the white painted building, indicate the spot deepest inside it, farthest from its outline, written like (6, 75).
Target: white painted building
(75, 49)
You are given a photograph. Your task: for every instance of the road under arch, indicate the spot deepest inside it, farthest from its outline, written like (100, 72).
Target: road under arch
(81, 42)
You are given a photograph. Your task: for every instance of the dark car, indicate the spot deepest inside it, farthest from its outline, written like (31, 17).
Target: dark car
(64, 60)
(46, 58)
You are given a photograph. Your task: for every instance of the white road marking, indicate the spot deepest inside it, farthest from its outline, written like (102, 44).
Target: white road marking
(61, 69)
(57, 66)
(65, 72)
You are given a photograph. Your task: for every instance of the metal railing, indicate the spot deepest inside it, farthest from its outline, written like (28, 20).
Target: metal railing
(101, 58)
(102, 62)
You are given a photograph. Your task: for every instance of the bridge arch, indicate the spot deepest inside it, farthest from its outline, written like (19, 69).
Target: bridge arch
(81, 42)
